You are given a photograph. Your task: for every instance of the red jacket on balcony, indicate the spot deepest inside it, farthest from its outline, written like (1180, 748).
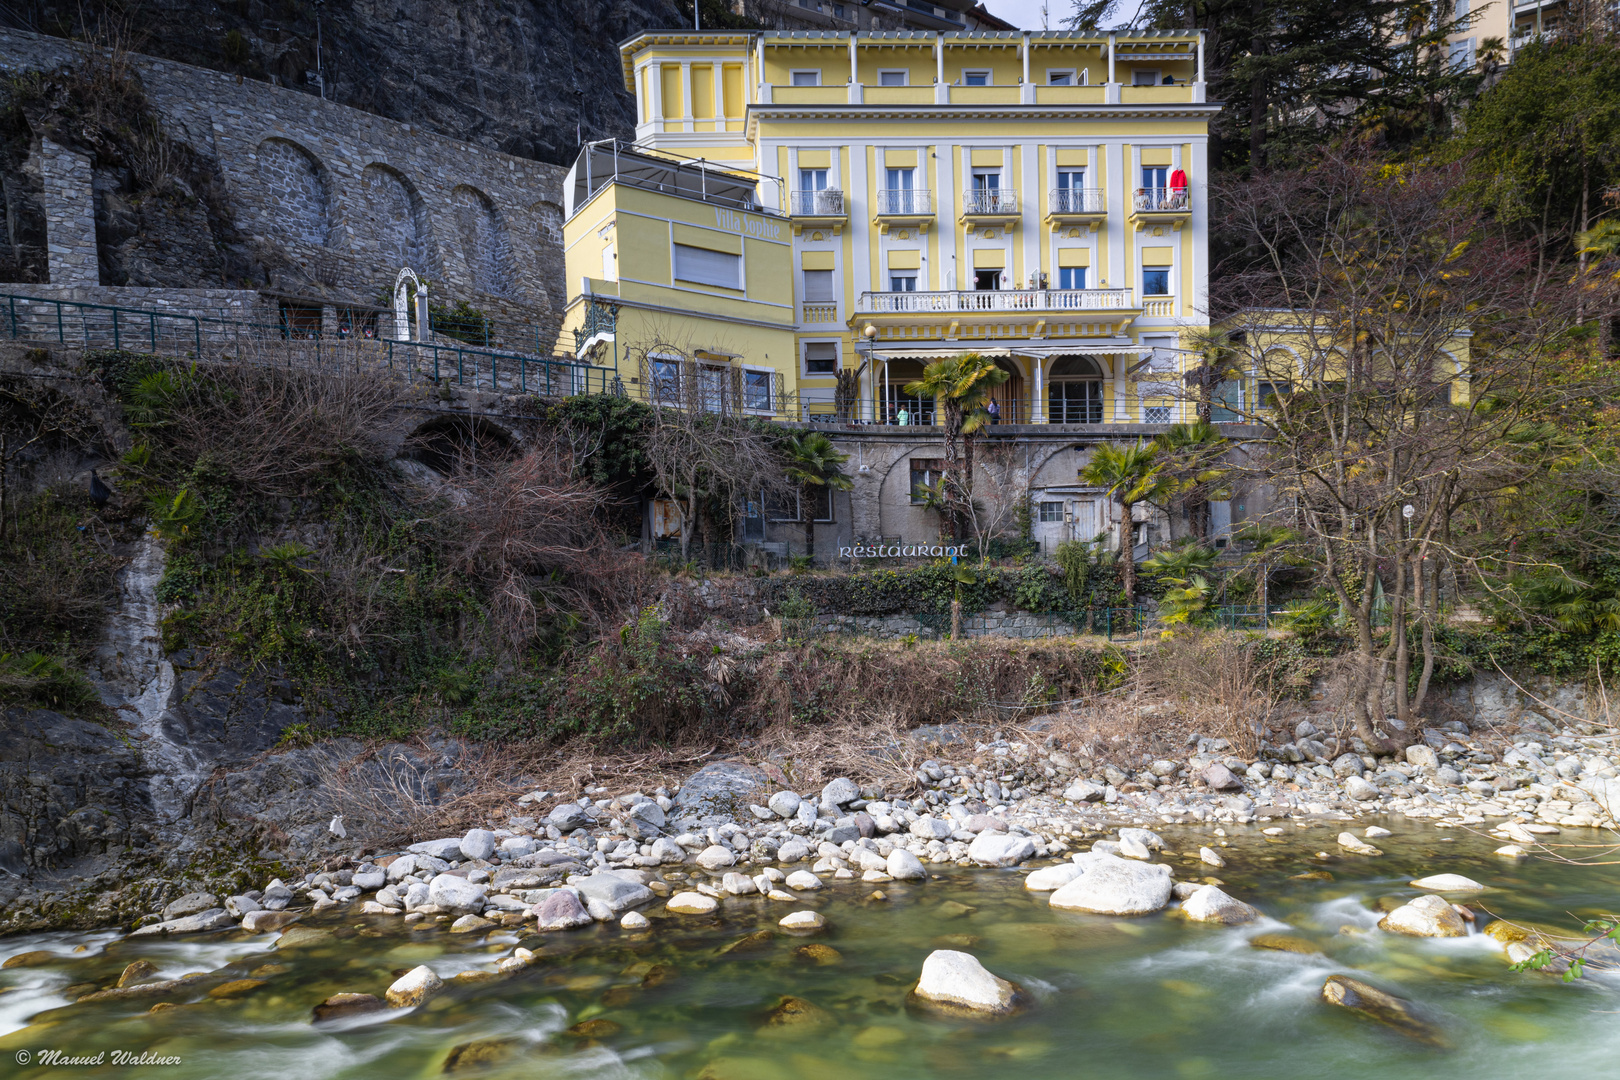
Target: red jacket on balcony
(1178, 181)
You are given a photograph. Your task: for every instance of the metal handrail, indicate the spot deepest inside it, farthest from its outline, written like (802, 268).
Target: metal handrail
(995, 300)
(989, 201)
(905, 201)
(1077, 201)
(828, 202)
(191, 337)
(1161, 200)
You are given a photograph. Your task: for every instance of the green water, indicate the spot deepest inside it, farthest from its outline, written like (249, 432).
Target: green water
(1149, 997)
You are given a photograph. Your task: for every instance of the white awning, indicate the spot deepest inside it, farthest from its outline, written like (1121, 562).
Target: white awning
(938, 352)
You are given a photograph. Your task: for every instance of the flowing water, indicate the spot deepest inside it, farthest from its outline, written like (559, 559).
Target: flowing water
(1149, 997)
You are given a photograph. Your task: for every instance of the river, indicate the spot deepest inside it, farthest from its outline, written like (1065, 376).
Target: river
(1130, 998)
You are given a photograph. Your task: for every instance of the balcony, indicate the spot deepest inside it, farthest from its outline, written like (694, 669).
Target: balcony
(994, 300)
(1076, 206)
(1161, 206)
(825, 209)
(984, 207)
(903, 206)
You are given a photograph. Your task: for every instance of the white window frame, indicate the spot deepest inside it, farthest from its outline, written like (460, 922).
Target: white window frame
(988, 73)
(794, 73)
(804, 286)
(904, 73)
(1136, 73)
(770, 383)
(1041, 503)
(1075, 78)
(804, 358)
(1169, 279)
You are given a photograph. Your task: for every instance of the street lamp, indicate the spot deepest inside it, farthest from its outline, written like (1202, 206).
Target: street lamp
(868, 333)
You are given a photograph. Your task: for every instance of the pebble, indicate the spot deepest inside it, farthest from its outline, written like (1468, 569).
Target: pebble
(634, 920)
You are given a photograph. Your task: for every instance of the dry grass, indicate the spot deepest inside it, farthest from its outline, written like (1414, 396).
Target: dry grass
(1216, 682)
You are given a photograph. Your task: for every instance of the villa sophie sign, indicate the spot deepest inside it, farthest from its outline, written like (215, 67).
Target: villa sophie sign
(903, 551)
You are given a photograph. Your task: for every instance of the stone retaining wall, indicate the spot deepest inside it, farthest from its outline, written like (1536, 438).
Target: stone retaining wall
(335, 201)
(1011, 624)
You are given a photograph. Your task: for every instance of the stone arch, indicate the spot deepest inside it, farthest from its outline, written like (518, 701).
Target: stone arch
(450, 444)
(484, 246)
(397, 232)
(548, 219)
(298, 189)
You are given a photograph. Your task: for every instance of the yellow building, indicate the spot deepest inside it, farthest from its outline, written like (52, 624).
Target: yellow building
(798, 205)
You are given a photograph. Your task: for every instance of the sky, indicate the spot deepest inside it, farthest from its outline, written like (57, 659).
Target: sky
(1026, 14)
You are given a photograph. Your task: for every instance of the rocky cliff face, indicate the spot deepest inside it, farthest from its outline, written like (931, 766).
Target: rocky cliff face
(522, 76)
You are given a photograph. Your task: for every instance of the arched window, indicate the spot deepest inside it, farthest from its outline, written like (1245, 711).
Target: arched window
(1074, 391)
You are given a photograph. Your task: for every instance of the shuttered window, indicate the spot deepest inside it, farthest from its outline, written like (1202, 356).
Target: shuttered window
(818, 286)
(707, 267)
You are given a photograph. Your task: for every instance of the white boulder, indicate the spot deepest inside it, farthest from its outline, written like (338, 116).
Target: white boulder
(1210, 904)
(957, 981)
(1115, 886)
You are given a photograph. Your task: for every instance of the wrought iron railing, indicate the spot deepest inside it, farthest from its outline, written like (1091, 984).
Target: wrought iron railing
(1161, 200)
(989, 201)
(903, 202)
(829, 202)
(1077, 201)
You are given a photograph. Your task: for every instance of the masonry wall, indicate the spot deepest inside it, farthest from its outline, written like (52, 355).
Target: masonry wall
(334, 201)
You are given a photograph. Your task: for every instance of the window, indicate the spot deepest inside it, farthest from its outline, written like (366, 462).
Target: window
(818, 502)
(902, 282)
(820, 358)
(807, 78)
(1060, 77)
(757, 390)
(1267, 393)
(1155, 177)
(1462, 55)
(818, 286)
(986, 280)
(987, 180)
(1145, 77)
(894, 78)
(838, 10)
(1164, 353)
(707, 267)
(1071, 277)
(666, 376)
(1226, 402)
(1155, 414)
(1155, 281)
(925, 473)
(976, 78)
(1071, 179)
(900, 179)
(1051, 511)
(812, 179)
(610, 264)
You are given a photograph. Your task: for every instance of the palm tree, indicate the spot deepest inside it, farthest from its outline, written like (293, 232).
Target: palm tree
(961, 385)
(1131, 475)
(814, 462)
(1193, 470)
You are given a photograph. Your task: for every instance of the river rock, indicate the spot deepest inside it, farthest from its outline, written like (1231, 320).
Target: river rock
(784, 804)
(477, 844)
(840, 791)
(1211, 857)
(1448, 883)
(1352, 843)
(568, 817)
(1375, 832)
(1210, 904)
(716, 856)
(634, 920)
(692, 903)
(931, 828)
(1083, 791)
(455, 893)
(1425, 916)
(448, 848)
(339, 1006)
(414, 987)
(1115, 886)
(203, 921)
(738, 884)
(721, 789)
(1423, 757)
(1347, 765)
(1218, 777)
(803, 922)
(1146, 837)
(956, 982)
(1000, 849)
(1359, 790)
(268, 922)
(1132, 848)
(902, 865)
(793, 851)
(190, 904)
(617, 892)
(561, 910)
(369, 881)
(1382, 1007)
(238, 906)
(802, 881)
(468, 923)
(1049, 878)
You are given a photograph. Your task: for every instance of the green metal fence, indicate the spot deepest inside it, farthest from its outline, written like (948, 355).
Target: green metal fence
(192, 337)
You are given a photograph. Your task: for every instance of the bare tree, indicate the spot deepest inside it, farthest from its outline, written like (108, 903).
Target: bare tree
(1411, 369)
(708, 451)
(1004, 473)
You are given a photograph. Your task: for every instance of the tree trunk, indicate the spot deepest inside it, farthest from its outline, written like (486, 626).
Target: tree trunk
(1127, 552)
(1257, 96)
(956, 615)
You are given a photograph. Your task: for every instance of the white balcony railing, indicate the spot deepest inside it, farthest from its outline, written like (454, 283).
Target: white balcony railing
(818, 313)
(989, 201)
(1161, 200)
(828, 202)
(1077, 201)
(905, 202)
(879, 303)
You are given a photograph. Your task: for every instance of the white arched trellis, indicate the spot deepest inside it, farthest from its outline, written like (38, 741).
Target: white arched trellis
(402, 322)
